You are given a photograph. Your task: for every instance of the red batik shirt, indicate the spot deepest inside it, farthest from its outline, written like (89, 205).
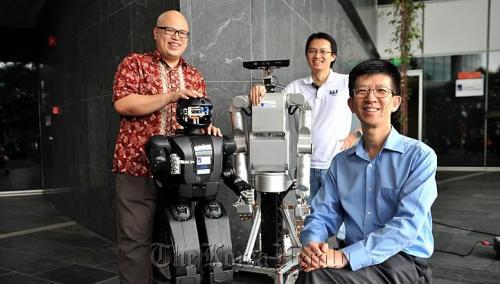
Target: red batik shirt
(146, 74)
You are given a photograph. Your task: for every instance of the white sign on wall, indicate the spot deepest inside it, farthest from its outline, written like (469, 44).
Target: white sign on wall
(469, 87)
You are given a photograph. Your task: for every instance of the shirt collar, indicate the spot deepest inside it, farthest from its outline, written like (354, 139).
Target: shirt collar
(394, 142)
(157, 57)
(309, 79)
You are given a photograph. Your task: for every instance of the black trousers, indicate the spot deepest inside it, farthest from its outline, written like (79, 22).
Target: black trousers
(136, 201)
(400, 268)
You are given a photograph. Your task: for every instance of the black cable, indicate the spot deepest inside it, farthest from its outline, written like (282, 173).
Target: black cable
(464, 229)
(459, 254)
(247, 111)
(277, 84)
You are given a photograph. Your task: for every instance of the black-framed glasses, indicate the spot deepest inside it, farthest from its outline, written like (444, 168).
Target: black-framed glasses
(313, 51)
(379, 92)
(171, 32)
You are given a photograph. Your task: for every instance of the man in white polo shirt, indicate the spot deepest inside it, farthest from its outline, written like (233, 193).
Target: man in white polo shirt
(327, 93)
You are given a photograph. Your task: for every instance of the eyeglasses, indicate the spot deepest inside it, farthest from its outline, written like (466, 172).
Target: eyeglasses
(313, 51)
(171, 32)
(379, 92)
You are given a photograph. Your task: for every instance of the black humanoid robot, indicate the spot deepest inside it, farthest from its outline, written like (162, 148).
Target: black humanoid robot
(193, 239)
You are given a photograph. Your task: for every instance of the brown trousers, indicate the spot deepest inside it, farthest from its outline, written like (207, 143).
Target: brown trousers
(136, 199)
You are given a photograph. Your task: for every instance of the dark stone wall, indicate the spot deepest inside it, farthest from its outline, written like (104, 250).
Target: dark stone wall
(227, 32)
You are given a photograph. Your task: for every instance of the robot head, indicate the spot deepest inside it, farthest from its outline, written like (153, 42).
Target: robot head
(194, 112)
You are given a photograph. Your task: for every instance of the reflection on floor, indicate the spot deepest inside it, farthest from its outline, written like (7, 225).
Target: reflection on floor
(40, 245)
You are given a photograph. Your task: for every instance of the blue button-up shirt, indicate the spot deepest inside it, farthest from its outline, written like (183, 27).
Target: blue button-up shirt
(385, 202)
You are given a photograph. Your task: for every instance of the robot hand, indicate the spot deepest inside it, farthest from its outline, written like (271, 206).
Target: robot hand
(248, 195)
(301, 191)
(302, 208)
(245, 203)
(301, 211)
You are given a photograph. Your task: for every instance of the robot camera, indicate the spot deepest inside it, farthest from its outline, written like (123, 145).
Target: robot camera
(266, 64)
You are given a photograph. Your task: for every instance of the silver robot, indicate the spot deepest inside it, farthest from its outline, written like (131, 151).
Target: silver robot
(267, 145)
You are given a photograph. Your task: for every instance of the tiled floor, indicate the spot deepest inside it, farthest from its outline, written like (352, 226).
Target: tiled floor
(40, 245)
(50, 248)
(469, 201)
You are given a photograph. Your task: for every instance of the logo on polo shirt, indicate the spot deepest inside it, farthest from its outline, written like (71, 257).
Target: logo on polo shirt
(333, 92)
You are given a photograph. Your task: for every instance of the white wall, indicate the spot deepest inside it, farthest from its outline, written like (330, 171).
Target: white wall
(450, 27)
(455, 27)
(495, 25)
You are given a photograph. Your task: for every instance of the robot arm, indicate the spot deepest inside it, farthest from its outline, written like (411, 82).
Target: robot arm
(231, 179)
(158, 151)
(304, 151)
(236, 183)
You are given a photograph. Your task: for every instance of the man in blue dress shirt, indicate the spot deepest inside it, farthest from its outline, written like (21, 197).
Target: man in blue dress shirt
(382, 189)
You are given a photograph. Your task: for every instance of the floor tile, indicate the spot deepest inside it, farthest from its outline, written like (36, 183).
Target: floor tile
(17, 278)
(460, 275)
(84, 240)
(11, 257)
(4, 271)
(112, 280)
(17, 242)
(40, 247)
(76, 274)
(38, 266)
(82, 256)
(110, 266)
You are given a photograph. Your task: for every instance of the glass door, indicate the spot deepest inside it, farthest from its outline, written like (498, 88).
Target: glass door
(20, 166)
(493, 113)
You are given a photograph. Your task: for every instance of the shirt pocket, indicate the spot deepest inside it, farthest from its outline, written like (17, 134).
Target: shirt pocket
(386, 203)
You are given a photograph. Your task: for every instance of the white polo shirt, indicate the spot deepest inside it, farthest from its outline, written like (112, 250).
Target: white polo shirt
(331, 116)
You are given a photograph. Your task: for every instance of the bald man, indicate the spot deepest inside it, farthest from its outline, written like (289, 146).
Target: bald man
(146, 89)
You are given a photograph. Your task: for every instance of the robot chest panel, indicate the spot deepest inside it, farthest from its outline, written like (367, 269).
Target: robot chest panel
(201, 156)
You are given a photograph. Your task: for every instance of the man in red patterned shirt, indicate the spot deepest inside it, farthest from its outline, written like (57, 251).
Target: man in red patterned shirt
(146, 89)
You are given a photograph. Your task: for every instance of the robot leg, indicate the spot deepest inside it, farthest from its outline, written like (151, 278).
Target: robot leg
(176, 254)
(215, 239)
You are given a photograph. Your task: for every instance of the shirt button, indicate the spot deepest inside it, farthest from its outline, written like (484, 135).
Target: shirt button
(370, 165)
(370, 189)
(369, 212)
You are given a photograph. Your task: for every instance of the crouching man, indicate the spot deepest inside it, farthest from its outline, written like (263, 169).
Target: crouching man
(382, 189)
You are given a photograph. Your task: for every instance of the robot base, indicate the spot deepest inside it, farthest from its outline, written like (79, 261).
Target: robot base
(279, 246)
(285, 273)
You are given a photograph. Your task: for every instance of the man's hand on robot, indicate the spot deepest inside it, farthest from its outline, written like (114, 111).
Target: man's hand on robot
(256, 93)
(212, 130)
(184, 94)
